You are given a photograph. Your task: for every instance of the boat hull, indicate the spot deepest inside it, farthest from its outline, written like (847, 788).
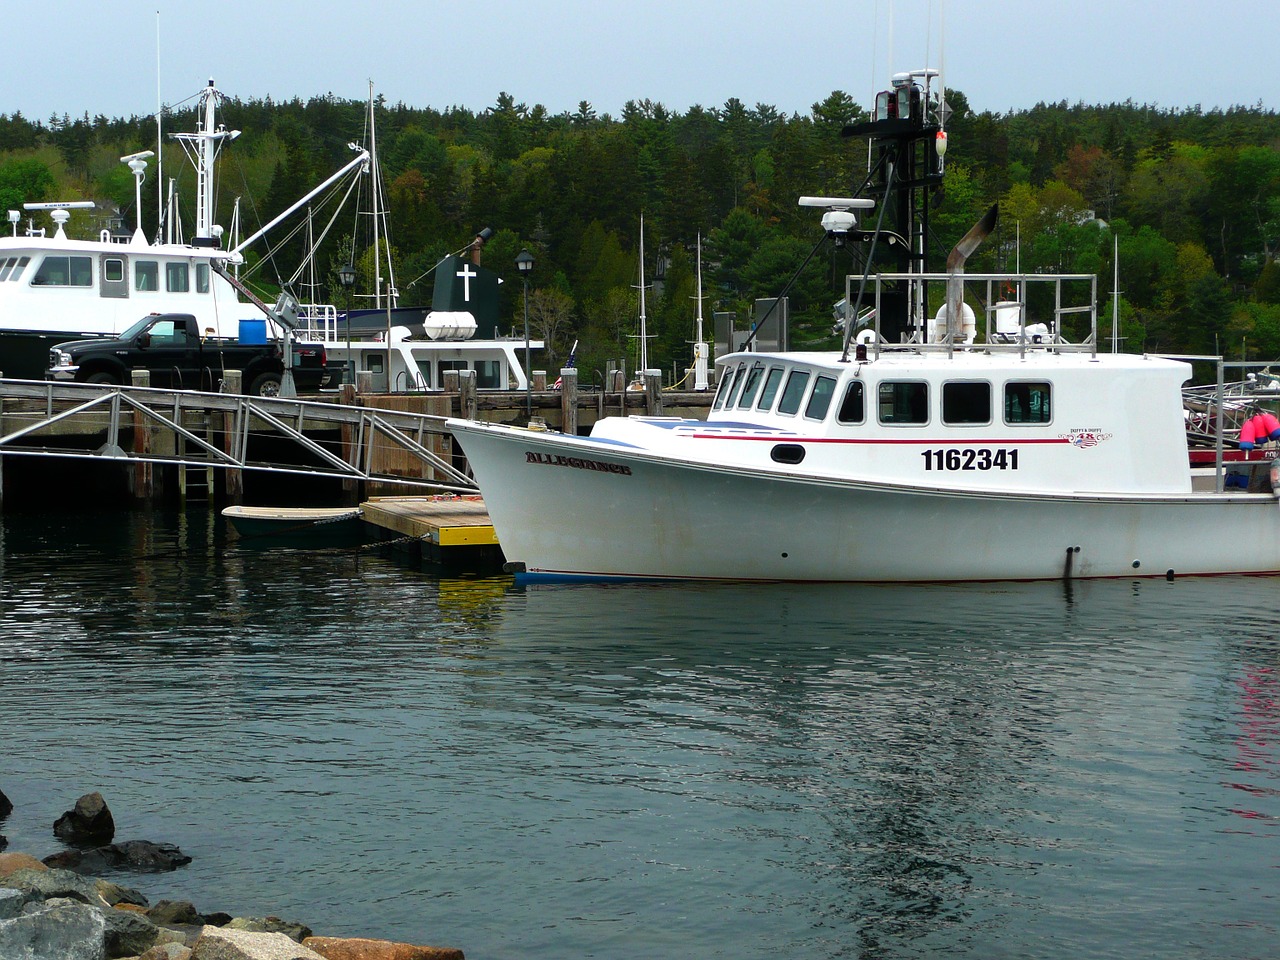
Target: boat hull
(571, 508)
(299, 526)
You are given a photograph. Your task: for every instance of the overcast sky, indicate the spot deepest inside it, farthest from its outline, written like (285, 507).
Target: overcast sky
(100, 56)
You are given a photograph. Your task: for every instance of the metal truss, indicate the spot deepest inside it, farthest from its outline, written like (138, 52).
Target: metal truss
(80, 412)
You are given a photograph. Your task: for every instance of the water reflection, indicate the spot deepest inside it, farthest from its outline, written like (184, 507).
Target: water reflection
(644, 769)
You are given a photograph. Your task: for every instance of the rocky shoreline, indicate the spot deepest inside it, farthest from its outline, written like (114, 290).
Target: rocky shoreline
(55, 908)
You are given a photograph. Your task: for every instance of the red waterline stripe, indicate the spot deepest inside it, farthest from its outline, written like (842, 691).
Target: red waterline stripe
(928, 443)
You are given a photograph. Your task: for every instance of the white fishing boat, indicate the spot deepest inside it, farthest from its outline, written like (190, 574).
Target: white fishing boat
(927, 449)
(59, 288)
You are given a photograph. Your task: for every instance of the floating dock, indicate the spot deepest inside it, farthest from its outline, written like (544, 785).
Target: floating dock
(453, 530)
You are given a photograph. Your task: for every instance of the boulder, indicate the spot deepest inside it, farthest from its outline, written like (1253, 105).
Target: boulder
(167, 951)
(294, 931)
(11, 903)
(90, 822)
(142, 856)
(354, 948)
(115, 894)
(172, 912)
(61, 931)
(222, 943)
(47, 884)
(127, 934)
(10, 862)
(6, 807)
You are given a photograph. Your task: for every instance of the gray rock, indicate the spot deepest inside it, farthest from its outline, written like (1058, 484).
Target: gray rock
(48, 884)
(128, 933)
(221, 943)
(294, 931)
(113, 893)
(140, 855)
(90, 822)
(167, 951)
(11, 903)
(66, 931)
(175, 912)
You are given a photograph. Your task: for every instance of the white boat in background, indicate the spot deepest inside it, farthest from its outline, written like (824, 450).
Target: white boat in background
(56, 288)
(926, 450)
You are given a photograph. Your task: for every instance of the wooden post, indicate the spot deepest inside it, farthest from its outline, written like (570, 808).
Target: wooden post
(364, 381)
(653, 392)
(142, 480)
(569, 400)
(350, 486)
(539, 380)
(232, 382)
(467, 393)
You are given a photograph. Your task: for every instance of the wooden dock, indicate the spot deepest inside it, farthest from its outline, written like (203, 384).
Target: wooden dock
(451, 530)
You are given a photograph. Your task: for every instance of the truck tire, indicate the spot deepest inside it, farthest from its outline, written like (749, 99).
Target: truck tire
(103, 377)
(265, 385)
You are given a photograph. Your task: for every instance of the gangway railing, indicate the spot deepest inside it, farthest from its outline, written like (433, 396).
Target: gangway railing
(214, 430)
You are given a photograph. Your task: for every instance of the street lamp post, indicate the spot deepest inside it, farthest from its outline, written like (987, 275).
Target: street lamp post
(524, 262)
(347, 277)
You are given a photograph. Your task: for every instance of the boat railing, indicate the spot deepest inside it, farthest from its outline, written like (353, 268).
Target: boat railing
(1006, 326)
(318, 321)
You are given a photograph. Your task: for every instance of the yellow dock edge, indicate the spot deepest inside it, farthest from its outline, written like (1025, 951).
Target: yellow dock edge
(443, 521)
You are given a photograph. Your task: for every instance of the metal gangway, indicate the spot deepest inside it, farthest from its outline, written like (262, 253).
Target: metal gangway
(137, 425)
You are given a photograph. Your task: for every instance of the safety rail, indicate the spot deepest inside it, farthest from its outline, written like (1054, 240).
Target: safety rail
(1006, 327)
(229, 420)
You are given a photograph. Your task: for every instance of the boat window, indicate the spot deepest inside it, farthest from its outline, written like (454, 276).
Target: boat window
(202, 278)
(113, 270)
(177, 277)
(824, 388)
(726, 386)
(1026, 403)
(793, 392)
(853, 406)
(488, 375)
(966, 402)
(903, 401)
(146, 275)
(17, 270)
(770, 389)
(749, 389)
(5, 266)
(64, 272)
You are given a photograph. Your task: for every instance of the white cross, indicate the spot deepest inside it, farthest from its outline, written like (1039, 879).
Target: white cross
(466, 273)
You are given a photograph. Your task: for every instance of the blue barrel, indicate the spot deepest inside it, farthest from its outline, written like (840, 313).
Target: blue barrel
(253, 331)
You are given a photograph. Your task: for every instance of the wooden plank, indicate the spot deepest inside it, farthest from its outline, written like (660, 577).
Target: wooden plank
(446, 521)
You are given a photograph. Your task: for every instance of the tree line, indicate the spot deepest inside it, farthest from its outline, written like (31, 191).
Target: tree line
(1192, 197)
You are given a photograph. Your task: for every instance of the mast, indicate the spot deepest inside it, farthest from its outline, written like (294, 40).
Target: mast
(699, 346)
(377, 224)
(906, 168)
(203, 147)
(644, 337)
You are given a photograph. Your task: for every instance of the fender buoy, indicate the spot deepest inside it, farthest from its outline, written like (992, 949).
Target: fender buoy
(1248, 433)
(1270, 424)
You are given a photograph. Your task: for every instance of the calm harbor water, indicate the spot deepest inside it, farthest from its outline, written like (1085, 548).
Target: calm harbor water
(648, 771)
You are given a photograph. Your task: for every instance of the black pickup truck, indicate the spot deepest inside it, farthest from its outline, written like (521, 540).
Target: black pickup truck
(171, 347)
